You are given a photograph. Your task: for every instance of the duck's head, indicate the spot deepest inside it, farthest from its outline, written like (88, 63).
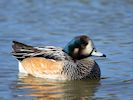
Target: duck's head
(81, 47)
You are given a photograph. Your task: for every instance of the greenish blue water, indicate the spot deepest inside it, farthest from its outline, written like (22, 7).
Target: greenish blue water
(55, 22)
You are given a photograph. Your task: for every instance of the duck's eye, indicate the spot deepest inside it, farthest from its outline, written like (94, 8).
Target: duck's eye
(85, 43)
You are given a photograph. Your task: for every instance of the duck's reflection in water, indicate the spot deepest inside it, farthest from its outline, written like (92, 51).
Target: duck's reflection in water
(40, 89)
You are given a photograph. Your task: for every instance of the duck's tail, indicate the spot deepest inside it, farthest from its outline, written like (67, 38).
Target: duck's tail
(21, 51)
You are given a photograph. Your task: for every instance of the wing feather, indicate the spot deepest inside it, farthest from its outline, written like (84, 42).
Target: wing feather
(22, 51)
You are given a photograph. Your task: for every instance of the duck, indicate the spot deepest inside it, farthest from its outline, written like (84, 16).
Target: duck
(73, 62)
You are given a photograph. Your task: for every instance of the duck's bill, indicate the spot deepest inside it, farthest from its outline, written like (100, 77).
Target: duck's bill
(98, 54)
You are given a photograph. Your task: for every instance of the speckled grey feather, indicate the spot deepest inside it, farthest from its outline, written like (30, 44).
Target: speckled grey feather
(81, 69)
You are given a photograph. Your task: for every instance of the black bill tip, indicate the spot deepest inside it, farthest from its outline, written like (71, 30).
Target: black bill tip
(104, 55)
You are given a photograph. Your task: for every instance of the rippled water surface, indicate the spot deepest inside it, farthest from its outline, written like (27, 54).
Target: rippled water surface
(55, 22)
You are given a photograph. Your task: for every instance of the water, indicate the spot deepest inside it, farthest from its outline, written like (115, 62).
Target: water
(55, 22)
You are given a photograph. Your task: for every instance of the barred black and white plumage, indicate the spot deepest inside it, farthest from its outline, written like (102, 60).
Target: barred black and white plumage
(22, 51)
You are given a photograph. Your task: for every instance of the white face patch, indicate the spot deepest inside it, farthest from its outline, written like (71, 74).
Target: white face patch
(88, 48)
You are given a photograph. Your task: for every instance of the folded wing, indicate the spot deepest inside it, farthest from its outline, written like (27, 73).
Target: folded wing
(22, 51)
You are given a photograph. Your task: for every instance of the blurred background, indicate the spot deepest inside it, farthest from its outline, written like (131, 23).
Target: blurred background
(55, 22)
